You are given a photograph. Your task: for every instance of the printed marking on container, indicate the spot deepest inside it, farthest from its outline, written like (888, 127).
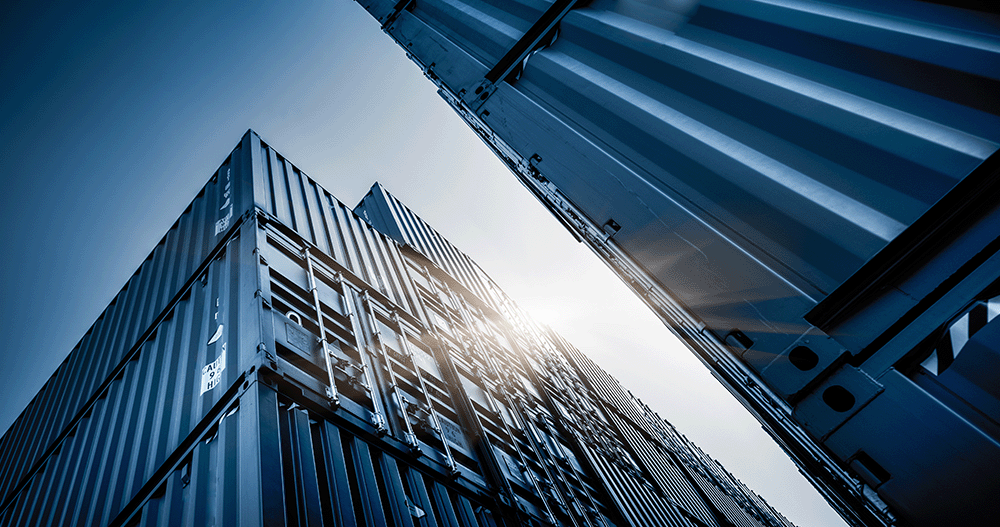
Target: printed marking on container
(959, 333)
(296, 337)
(211, 374)
(217, 334)
(454, 434)
(223, 223)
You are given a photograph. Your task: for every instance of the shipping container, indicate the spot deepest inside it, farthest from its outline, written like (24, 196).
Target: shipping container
(311, 368)
(179, 258)
(804, 191)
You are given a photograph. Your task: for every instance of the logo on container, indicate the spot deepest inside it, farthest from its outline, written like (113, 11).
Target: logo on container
(223, 223)
(211, 374)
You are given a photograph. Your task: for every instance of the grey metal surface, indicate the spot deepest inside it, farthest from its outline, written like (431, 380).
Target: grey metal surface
(299, 203)
(633, 431)
(742, 120)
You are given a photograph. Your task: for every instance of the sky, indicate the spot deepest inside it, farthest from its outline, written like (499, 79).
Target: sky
(114, 116)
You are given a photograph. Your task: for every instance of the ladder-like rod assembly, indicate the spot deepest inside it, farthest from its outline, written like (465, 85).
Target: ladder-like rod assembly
(528, 427)
(435, 420)
(556, 373)
(535, 439)
(409, 437)
(495, 371)
(378, 418)
(331, 392)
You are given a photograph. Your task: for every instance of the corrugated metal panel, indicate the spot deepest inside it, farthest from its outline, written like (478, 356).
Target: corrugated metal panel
(355, 342)
(484, 29)
(303, 205)
(722, 501)
(766, 176)
(665, 472)
(592, 407)
(162, 390)
(644, 441)
(612, 394)
(386, 213)
(638, 504)
(317, 474)
(487, 354)
(750, 134)
(213, 213)
(748, 118)
(683, 452)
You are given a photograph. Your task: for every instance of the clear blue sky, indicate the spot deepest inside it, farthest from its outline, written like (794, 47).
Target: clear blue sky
(113, 115)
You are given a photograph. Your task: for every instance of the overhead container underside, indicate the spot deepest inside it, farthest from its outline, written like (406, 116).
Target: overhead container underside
(803, 190)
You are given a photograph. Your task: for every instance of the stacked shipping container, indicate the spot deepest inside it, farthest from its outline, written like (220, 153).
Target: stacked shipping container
(279, 361)
(804, 191)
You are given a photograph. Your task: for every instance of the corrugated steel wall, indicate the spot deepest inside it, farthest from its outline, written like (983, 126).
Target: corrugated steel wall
(747, 116)
(152, 403)
(209, 219)
(356, 330)
(663, 453)
(325, 475)
(389, 215)
(781, 126)
(299, 203)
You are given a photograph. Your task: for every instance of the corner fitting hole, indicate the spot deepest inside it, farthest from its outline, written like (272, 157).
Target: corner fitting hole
(838, 398)
(741, 338)
(803, 358)
(479, 90)
(879, 474)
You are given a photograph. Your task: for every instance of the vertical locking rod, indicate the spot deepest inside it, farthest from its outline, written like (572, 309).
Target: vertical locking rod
(410, 438)
(435, 421)
(332, 393)
(495, 371)
(378, 418)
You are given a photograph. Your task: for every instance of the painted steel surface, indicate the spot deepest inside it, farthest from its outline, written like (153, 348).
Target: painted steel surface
(312, 371)
(804, 191)
(180, 372)
(299, 203)
(400, 223)
(155, 285)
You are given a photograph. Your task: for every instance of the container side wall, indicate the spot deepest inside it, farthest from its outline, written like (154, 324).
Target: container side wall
(196, 234)
(357, 330)
(152, 402)
(388, 214)
(313, 371)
